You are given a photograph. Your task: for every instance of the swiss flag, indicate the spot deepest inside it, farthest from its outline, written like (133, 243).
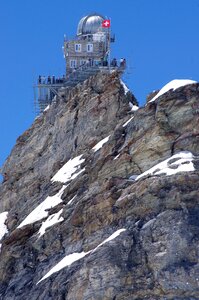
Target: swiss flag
(106, 23)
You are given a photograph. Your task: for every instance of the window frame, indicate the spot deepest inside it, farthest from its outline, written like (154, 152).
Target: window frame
(78, 47)
(73, 63)
(89, 48)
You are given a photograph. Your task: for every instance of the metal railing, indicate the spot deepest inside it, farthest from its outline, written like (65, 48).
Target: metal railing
(48, 87)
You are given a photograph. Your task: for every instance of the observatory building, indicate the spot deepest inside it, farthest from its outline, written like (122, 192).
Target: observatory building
(92, 43)
(87, 54)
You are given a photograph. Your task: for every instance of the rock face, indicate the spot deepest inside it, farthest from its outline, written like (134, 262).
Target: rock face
(108, 234)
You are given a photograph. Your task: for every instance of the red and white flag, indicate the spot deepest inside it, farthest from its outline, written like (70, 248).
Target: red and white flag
(106, 23)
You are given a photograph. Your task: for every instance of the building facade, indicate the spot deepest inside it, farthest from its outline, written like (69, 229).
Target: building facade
(91, 46)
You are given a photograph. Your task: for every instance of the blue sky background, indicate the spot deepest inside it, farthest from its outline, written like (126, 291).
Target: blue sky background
(159, 38)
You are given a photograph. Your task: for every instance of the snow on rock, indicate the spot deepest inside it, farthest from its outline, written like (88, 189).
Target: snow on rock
(133, 177)
(160, 254)
(133, 107)
(3, 227)
(125, 124)
(180, 162)
(71, 200)
(47, 108)
(66, 173)
(100, 144)
(69, 170)
(71, 258)
(66, 261)
(173, 85)
(126, 90)
(110, 238)
(40, 211)
(52, 220)
(117, 157)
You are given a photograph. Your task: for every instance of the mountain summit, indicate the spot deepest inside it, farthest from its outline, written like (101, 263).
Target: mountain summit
(100, 199)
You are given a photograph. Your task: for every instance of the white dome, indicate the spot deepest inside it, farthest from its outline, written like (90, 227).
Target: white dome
(91, 24)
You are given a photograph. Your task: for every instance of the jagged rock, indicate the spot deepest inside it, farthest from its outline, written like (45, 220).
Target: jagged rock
(155, 255)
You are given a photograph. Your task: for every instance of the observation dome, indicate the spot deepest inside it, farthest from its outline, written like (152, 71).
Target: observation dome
(90, 24)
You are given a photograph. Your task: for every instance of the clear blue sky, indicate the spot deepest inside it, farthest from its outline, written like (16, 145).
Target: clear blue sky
(159, 38)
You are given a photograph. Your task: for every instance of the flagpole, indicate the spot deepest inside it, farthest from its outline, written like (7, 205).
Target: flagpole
(109, 45)
(107, 24)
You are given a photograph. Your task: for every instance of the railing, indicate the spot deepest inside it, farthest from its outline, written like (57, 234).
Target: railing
(48, 87)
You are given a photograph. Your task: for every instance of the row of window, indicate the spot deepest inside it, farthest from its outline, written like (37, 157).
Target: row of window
(74, 63)
(78, 48)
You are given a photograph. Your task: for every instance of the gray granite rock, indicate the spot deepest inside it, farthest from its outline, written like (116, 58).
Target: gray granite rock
(156, 256)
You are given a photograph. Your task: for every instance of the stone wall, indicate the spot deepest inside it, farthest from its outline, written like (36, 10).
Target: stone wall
(99, 50)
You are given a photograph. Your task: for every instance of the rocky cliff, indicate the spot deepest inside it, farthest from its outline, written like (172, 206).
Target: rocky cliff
(101, 201)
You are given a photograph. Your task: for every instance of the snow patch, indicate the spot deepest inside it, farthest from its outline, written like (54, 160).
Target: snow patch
(71, 258)
(160, 254)
(180, 162)
(69, 170)
(71, 200)
(133, 107)
(3, 227)
(66, 261)
(126, 89)
(125, 124)
(52, 220)
(66, 173)
(100, 144)
(133, 177)
(40, 211)
(110, 238)
(116, 157)
(173, 85)
(47, 108)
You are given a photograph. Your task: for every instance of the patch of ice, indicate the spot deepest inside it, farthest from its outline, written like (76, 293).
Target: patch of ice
(52, 220)
(69, 170)
(100, 144)
(40, 211)
(126, 89)
(183, 163)
(71, 258)
(173, 85)
(125, 124)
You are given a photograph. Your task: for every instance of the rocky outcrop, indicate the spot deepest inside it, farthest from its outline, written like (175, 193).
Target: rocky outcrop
(111, 235)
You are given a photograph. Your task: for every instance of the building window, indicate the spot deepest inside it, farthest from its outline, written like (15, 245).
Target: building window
(78, 47)
(89, 47)
(73, 63)
(83, 62)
